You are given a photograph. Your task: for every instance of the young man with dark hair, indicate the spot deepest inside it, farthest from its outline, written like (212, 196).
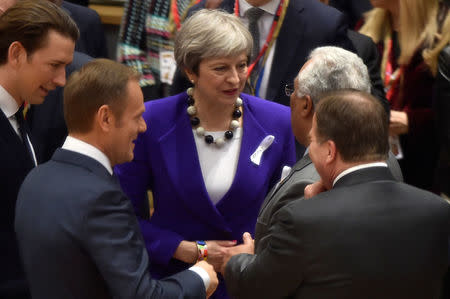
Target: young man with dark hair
(37, 41)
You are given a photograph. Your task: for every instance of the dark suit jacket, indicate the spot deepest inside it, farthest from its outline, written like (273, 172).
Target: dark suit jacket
(308, 24)
(292, 188)
(79, 237)
(46, 121)
(15, 164)
(92, 37)
(367, 50)
(442, 111)
(368, 237)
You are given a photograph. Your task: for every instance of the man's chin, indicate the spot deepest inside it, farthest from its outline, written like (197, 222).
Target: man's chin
(37, 100)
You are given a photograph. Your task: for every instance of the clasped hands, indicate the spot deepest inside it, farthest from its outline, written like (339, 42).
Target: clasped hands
(220, 252)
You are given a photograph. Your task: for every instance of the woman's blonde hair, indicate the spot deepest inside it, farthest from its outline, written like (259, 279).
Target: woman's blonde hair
(418, 29)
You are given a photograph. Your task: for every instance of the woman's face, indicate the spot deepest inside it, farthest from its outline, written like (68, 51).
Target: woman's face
(220, 79)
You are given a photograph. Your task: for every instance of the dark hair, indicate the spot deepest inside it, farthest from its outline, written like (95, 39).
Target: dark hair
(99, 82)
(29, 22)
(356, 122)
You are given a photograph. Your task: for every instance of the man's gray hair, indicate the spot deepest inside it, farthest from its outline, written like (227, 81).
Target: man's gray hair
(210, 34)
(332, 68)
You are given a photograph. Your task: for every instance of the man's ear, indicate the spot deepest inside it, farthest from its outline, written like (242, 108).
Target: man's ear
(332, 152)
(105, 118)
(16, 53)
(307, 108)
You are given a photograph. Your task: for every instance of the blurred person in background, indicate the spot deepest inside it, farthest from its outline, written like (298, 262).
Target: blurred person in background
(146, 41)
(409, 37)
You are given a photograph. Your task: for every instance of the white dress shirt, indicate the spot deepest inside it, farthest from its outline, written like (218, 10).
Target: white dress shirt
(358, 167)
(76, 145)
(264, 25)
(9, 106)
(81, 147)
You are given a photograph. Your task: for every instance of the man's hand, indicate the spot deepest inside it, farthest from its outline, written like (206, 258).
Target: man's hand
(212, 276)
(247, 247)
(314, 189)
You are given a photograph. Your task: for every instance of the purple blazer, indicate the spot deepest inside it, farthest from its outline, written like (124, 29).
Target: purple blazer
(166, 161)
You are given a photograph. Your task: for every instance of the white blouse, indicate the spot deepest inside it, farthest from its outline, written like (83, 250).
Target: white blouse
(218, 165)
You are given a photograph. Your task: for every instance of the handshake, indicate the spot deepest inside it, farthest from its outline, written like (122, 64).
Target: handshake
(214, 256)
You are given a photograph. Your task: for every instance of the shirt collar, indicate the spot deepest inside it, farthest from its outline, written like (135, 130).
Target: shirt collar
(84, 148)
(306, 151)
(358, 167)
(270, 7)
(8, 105)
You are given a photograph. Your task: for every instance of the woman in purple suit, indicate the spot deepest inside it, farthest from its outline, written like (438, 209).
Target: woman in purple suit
(210, 154)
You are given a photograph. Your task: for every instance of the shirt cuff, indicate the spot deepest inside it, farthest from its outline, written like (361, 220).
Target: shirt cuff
(203, 275)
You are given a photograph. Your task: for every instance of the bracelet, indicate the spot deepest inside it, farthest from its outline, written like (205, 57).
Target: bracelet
(202, 250)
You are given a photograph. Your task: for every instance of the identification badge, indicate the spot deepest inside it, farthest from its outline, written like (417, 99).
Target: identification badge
(167, 66)
(396, 148)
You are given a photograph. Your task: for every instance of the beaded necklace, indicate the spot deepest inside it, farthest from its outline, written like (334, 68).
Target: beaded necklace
(200, 131)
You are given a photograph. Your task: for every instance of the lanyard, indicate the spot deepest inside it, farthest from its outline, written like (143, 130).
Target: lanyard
(273, 33)
(176, 12)
(391, 76)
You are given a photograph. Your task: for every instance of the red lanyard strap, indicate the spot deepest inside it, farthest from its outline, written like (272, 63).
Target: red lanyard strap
(391, 76)
(176, 12)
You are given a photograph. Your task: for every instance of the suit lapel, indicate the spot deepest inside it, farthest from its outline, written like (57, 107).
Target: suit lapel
(287, 39)
(305, 161)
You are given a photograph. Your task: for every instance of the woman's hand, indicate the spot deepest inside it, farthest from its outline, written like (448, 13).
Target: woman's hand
(217, 251)
(398, 124)
(187, 252)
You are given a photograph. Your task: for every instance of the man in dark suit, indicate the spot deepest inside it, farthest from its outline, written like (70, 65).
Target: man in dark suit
(46, 121)
(37, 41)
(307, 24)
(369, 236)
(89, 244)
(328, 69)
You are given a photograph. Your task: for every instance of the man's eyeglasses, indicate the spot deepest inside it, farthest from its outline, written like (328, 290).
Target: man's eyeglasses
(289, 89)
